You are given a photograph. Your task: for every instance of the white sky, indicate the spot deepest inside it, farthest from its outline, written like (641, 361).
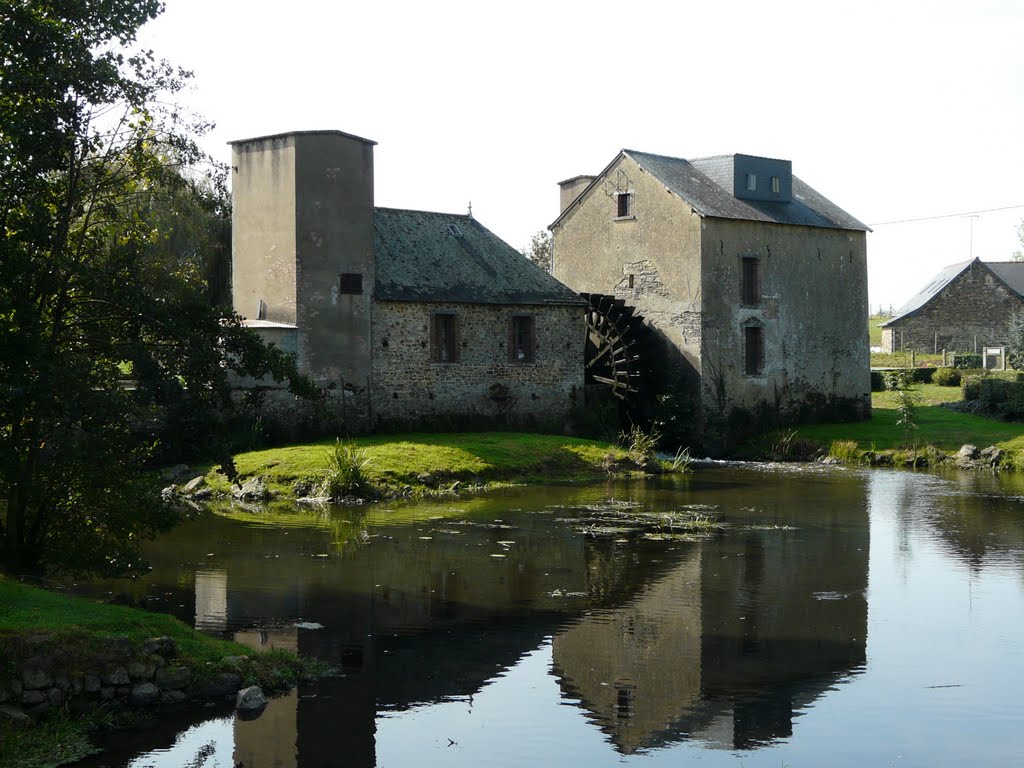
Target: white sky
(893, 110)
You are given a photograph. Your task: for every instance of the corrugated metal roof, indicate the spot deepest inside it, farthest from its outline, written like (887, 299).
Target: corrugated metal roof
(706, 184)
(441, 257)
(1010, 272)
(937, 283)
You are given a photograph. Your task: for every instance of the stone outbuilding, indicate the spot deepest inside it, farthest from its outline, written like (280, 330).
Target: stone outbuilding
(967, 307)
(410, 318)
(754, 284)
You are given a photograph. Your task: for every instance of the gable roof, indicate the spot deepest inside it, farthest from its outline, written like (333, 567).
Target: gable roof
(706, 184)
(1010, 273)
(438, 257)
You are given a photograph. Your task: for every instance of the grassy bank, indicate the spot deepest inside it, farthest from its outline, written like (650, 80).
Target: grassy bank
(944, 429)
(37, 622)
(423, 463)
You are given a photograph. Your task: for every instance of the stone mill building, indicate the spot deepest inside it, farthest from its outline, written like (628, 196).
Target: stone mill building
(406, 317)
(753, 283)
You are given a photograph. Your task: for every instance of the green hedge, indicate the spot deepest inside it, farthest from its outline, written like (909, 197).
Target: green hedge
(1002, 394)
(964, 360)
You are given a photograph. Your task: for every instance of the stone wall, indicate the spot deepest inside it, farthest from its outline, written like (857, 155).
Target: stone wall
(682, 273)
(972, 312)
(812, 305)
(483, 386)
(121, 674)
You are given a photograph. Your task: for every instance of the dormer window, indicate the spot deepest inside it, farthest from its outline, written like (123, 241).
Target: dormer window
(623, 205)
(751, 182)
(776, 185)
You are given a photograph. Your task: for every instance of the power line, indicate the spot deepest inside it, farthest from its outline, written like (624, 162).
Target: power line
(947, 215)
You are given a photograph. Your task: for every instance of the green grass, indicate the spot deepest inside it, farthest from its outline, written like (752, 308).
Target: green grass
(941, 427)
(83, 628)
(874, 332)
(394, 461)
(29, 610)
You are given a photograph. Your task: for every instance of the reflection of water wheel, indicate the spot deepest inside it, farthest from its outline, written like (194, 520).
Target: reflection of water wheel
(612, 340)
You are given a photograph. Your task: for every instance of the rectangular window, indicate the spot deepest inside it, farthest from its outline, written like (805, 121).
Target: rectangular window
(776, 186)
(751, 182)
(351, 282)
(750, 288)
(444, 338)
(753, 349)
(520, 339)
(624, 204)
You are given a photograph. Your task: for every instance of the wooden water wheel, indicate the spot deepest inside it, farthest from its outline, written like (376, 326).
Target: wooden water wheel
(612, 344)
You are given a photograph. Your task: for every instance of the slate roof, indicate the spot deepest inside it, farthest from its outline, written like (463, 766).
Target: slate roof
(1010, 272)
(445, 257)
(707, 185)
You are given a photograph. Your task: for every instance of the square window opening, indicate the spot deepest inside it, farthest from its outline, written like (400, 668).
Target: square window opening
(351, 282)
(520, 341)
(444, 338)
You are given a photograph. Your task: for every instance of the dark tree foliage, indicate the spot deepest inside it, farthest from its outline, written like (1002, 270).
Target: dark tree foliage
(107, 236)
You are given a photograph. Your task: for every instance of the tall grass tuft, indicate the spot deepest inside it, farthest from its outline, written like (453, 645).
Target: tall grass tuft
(345, 471)
(846, 451)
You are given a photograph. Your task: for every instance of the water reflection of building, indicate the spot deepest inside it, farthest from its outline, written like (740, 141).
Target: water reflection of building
(722, 641)
(729, 644)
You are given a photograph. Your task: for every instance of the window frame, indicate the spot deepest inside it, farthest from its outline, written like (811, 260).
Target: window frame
(444, 338)
(751, 182)
(515, 329)
(753, 353)
(624, 205)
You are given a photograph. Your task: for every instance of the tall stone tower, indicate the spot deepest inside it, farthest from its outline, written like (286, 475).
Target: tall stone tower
(302, 248)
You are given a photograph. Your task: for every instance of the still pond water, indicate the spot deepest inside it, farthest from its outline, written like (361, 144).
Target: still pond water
(841, 618)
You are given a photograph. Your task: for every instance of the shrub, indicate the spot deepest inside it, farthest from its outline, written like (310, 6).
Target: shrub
(964, 360)
(946, 377)
(971, 387)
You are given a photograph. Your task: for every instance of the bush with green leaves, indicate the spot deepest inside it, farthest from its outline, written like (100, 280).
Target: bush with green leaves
(946, 377)
(900, 383)
(966, 360)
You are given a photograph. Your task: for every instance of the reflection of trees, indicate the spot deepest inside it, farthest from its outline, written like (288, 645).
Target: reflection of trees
(981, 523)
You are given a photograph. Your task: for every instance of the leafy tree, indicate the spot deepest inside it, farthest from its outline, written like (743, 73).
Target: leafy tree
(98, 190)
(539, 250)
(1019, 255)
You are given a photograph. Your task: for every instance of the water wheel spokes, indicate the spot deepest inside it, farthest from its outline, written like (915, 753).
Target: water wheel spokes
(611, 348)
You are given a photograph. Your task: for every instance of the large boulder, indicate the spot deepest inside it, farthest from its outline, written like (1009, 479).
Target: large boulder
(143, 694)
(253, 489)
(250, 699)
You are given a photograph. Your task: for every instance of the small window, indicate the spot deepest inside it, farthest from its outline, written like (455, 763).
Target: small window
(753, 350)
(520, 339)
(776, 185)
(751, 182)
(624, 204)
(750, 287)
(351, 282)
(444, 338)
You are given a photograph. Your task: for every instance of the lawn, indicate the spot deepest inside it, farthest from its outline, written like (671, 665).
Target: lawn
(397, 460)
(941, 427)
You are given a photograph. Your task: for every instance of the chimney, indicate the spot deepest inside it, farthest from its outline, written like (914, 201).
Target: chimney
(570, 189)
